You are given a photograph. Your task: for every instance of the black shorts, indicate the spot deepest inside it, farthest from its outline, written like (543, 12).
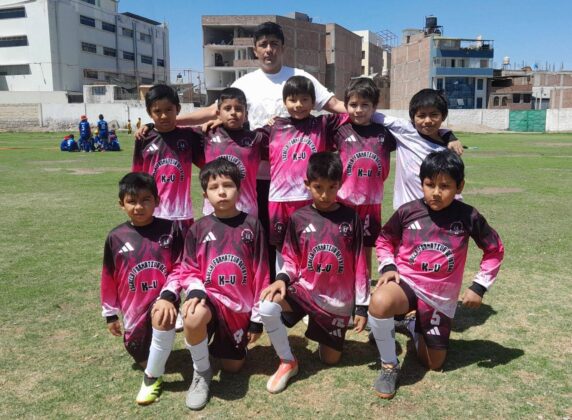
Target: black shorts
(228, 331)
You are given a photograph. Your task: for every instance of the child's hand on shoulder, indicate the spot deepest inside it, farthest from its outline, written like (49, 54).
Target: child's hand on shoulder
(471, 299)
(211, 125)
(456, 146)
(115, 328)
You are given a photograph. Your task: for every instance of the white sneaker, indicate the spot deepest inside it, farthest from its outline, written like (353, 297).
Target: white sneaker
(179, 323)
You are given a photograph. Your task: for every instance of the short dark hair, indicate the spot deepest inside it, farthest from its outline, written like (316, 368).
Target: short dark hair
(364, 88)
(158, 92)
(327, 165)
(218, 167)
(268, 29)
(232, 93)
(100, 116)
(298, 85)
(428, 97)
(135, 182)
(443, 162)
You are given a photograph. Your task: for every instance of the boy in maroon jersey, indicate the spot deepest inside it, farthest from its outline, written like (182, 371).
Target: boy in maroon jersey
(364, 148)
(422, 251)
(324, 273)
(138, 260)
(168, 152)
(223, 271)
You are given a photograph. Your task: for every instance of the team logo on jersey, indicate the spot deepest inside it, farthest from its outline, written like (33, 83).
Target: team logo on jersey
(346, 229)
(237, 162)
(143, 266)
(247, 236)
(433, 247)
(226, 279)
(381, 139)
(309, 229)
(165, 241)
(457, 228)
(216, 139)
(351, 139)
(301, 155)
(279, 227)
(209, 237)
(182, 145)
(414, 226)
(360, 171)
(127, 247)
(321, 267)
(169, 162)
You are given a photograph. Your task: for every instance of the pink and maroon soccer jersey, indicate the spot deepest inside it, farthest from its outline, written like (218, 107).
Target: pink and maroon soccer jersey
(137, 263)
(365, 153)
(245, 149)
(226, 258)
(323, 253)
(169, 158)
(291, 144)
(430, 250)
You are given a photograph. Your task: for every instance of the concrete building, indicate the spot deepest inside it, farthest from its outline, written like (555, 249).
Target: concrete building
(343, 55)
(554, 86)
(61, 45)
(427, 59)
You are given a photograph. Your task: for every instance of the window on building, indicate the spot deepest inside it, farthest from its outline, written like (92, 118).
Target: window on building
(145, 59)
(516, 98)
(110, 52)
(479, 103)
(484, 64)
(160, 62)
(504, 101)
(496, 101)
(144, 37)
(452, 62)
(526, 98)
(128, 56)
(84, 20)
(12, 13)
(147, 81)
(90, 74)
(98, 90)
(480, 84)
(87, 47)
(439, 84)
(462, 62)
(362, 54)
(127, 32)
(362, 69)
(109, 27)
(15, 70)
(89, 1)
(13, 41)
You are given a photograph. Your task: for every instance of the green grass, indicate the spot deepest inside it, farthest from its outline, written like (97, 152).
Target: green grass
(510, 358)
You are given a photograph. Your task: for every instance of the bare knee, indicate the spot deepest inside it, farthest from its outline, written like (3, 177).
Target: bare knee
(328, 355)
(197, 321)
(232, 366)
(380, 304)
(432, 359)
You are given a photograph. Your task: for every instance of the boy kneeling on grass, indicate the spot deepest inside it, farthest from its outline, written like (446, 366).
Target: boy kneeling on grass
(422, 251)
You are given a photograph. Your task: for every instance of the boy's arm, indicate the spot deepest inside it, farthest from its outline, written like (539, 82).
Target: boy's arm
(292, 255)
(387, 244)
(488, 240)
(110, 307)
(361, 275)
(170, 292)
(200, 116)
(261, 277)
(335, 106)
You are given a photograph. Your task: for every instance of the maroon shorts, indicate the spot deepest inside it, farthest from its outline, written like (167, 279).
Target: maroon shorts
(280, 213)
(434, 326)
(228, 331)
(137, 342)
(323, 327)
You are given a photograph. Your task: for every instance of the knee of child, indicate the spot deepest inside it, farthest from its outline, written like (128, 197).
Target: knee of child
(329, 356)
(269, 309)
(232, 366)
(379, 305)
(198, 319)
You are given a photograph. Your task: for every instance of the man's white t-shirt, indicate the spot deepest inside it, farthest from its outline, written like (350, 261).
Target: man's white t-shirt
(264, 97)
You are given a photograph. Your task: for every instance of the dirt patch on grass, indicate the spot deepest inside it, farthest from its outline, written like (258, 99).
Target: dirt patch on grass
(550, 144)
(84, 171)
(493, 191)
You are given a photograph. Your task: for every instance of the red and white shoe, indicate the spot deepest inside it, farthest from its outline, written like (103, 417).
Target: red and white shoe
(277, 382)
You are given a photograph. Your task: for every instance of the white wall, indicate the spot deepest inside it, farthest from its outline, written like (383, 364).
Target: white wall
(558, 120)
(33, 97)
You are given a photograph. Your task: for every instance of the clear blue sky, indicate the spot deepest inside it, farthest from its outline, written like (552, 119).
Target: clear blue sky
(525, 30)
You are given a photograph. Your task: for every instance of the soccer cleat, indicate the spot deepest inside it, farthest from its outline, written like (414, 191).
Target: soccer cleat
(198, 393)
(385, 383)
(149, 393)
(404, 324)
(277, 382)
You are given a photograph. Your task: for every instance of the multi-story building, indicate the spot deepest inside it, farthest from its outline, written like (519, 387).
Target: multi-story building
(427, 59)
(61, 45)
(228, 52)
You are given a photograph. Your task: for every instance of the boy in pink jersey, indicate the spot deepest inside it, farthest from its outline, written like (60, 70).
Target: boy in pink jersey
(324, 274)
(364, 148)
(292, 141)
(139, 258)
(223, 271)
(242, 147)
(422, 251)
(167, 153)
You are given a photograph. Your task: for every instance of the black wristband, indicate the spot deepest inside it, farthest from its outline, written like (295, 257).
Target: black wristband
(255, 327)
(361, 310)
(196, 293)
(388, 267)
(284, 277)
(168, 296)
(111, 318)
(479, 289)
(150, 126)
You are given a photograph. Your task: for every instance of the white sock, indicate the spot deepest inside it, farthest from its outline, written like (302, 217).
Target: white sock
(270, 315)
(161, 346)
(200, 355)
(383, 330)
(414, 335)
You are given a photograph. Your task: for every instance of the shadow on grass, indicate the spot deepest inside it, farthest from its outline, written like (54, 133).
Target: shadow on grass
(466, 318)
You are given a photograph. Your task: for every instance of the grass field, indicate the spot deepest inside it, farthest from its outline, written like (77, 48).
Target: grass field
(511, 358)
